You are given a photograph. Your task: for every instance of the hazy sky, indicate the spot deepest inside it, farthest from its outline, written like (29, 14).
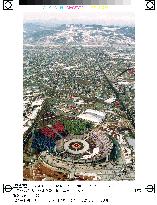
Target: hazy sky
(84, 17)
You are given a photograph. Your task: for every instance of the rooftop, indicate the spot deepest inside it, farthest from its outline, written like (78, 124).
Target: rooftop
(92, 115)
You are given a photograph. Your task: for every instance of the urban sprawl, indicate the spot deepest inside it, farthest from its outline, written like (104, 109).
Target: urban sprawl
(78, 92)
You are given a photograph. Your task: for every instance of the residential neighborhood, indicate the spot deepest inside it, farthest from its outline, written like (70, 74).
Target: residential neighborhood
(79, 96)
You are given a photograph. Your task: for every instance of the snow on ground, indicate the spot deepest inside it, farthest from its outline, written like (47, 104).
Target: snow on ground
(110, 100)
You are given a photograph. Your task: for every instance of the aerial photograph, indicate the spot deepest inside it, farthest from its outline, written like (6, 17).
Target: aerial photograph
(78, 97)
